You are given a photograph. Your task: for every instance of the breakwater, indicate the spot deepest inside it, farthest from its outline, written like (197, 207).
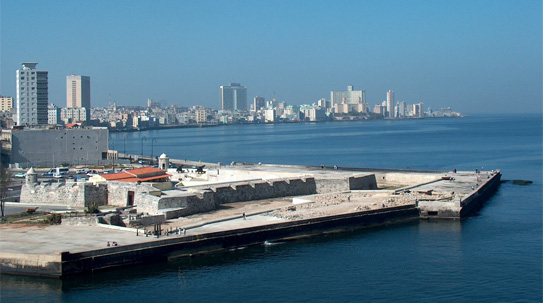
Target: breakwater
(66, 263)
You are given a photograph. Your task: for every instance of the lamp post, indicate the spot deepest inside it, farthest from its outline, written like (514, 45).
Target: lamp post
(142, 139)
(153, 140)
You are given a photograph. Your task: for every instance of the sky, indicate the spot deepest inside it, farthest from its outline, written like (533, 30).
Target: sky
(475, 56)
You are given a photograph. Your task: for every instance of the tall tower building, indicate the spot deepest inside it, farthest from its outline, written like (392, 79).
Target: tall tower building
(78, 92)
(350, 96)
(32, 95)
(390, 104)
(259, 103)
(233, 97)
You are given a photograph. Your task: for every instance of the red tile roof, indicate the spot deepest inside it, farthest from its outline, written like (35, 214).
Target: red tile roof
(138, 174)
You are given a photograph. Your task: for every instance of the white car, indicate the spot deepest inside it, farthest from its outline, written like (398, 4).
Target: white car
(58, 176)
(83, 171)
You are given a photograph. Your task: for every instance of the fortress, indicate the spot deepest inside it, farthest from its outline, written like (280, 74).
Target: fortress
(224, 207)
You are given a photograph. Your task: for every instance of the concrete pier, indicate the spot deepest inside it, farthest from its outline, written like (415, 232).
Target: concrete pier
(340, 199)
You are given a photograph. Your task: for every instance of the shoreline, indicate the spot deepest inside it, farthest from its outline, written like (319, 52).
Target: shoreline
(274, 123)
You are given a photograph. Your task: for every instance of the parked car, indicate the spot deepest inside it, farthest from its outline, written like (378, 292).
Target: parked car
(20, 175)
(83, 170)
(92, 172)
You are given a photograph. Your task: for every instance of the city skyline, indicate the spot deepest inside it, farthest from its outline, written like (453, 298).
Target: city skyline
(482, 56)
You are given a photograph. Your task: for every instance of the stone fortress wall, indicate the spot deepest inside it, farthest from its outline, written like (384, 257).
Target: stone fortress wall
(207, 198)
(174, 203)
(73, 194)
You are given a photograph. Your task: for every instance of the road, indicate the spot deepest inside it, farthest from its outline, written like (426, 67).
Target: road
(16, 208)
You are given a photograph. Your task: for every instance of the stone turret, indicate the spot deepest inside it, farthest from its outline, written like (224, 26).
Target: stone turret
(163, 162)
(31, 176)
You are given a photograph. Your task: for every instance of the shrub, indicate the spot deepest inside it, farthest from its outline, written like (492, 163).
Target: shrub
(92, 208)
(53, 219)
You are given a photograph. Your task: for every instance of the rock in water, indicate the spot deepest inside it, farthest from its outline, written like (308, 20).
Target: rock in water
(522, 182)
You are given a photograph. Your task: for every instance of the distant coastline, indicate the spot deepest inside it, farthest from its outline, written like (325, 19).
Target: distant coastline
(201, 125)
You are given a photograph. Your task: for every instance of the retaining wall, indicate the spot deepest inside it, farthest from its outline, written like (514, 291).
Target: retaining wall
(404, 179)
(459, 208)
(65, 263)
(356, 182)
(31, 264)
(75, 194)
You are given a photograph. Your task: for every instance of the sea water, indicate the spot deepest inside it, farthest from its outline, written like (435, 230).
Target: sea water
(493, 256)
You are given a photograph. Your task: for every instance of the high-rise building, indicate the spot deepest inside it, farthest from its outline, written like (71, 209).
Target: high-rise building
(322, 103)
(233, 97)
(259, 103)
(153, 104)
(390, 104)
(32, 95)
(78, 92)
(417, 109)
(402, 109)
(6, 103)
(53, 115)
(350, 97)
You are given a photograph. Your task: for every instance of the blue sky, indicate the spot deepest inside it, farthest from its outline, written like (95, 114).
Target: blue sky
(475, 56)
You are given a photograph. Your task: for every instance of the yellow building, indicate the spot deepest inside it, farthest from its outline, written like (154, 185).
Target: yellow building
(6, 103)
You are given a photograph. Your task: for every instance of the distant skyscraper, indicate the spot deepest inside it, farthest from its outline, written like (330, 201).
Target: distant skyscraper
(32, 95)
(259, 102)
(390, 104)
(402, 109)
(153, 104)
(78, 92)
(233, 97)
(349, 96)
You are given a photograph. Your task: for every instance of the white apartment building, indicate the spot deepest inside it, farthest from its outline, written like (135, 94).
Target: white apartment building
(74, 114)
(32, 95)
(53, 115)
(350, 97)
(390, 104)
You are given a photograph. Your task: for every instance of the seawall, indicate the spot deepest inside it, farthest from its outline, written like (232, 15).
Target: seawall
(65, 263)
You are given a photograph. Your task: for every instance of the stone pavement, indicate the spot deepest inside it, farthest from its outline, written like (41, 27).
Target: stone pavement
(42, 239)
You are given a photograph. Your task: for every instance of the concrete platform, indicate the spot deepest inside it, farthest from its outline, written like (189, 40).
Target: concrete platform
(67, 249)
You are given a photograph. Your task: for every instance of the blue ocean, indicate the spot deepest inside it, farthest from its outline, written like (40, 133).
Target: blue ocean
(493, 256)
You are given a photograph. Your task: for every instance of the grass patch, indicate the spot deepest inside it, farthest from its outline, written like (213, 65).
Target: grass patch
(24, 217)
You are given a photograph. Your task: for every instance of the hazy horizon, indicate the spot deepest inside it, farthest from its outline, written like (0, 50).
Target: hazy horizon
(474, 56)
